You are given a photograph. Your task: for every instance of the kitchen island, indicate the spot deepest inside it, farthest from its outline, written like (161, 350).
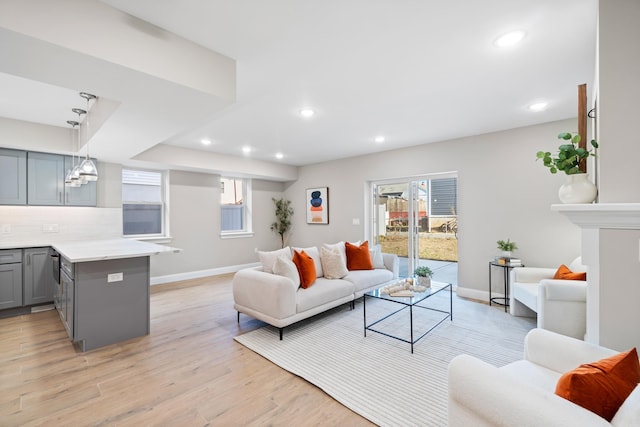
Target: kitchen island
(103, 292)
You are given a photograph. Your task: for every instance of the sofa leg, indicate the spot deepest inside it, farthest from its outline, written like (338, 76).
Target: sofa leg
(281, 329)
(238, 317)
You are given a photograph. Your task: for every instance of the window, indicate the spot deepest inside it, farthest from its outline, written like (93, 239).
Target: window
(235, 206)
(444, 196)
(143, 206)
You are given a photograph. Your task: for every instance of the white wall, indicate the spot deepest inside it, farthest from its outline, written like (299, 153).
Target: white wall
(618, 293)
(502, 193)
(109, 185)
(618, 93)
(195, 228)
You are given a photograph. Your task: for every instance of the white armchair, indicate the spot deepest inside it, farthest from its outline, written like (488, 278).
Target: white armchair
(559, 305)
(523, 393)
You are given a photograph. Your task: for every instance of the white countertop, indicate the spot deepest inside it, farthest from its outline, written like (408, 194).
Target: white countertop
(96, 250)
(24, 244)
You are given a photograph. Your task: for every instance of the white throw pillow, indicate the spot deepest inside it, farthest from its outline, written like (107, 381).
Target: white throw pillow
(376, 256)
(315, 255)
(268, 259)
(333, 264)
(629, 413)
(340, 247)
(285, 267)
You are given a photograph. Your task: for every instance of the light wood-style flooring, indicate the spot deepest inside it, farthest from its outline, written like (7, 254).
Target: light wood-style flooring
(188, 372)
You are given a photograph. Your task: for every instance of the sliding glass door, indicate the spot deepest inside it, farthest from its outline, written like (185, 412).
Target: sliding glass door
(417, 220)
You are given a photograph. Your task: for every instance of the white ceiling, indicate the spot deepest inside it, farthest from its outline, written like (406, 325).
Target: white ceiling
(415, 71)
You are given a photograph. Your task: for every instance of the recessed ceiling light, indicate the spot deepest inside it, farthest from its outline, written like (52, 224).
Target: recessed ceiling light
(379, 139)
(307, 112)
(509, 39)
(246, 149)
(538, 106)
(279, 155)
(205, 141)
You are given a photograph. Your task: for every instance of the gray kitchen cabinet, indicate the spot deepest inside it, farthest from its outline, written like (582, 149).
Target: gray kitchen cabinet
(38, 284)
(66, 298)
(10, 278)
(45, 182)
(86, 194)
(104, 302)
(13, 177)
(45, 179)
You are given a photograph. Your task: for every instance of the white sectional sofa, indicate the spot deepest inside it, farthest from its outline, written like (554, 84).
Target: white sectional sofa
(559, 305)
(278, 301)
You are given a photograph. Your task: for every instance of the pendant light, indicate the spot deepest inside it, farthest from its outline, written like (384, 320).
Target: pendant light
(88, 170)
(75, 172)
(71, 179)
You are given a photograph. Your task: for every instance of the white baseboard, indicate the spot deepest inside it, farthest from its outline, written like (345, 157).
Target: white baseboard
(476, 294)
(159, 280)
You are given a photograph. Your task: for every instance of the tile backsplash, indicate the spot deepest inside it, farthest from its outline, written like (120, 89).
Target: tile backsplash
(47, 224)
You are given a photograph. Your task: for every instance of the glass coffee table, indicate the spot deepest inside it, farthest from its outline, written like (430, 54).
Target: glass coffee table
(417, 300)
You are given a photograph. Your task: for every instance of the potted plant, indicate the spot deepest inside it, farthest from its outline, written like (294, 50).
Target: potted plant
(578, 188)
(423, 274)
(507, 246)
(569, 155)
(284, 211)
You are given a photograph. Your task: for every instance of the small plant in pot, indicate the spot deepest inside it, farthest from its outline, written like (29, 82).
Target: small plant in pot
(423, 275)
(507, 246)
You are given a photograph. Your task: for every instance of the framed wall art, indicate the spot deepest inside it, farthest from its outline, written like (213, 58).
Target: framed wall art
(318, 205)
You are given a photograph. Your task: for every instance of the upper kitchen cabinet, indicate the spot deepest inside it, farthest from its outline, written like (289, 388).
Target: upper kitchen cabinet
(86, 194)
(45, 179)
(13, 177)
(45, 182)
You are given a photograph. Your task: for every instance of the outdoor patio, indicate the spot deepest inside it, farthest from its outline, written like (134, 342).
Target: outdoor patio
(443, 271)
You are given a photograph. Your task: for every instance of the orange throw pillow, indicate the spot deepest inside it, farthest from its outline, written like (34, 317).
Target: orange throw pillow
(602, 386)
(358, 257)
(306, 268)
(564, 273)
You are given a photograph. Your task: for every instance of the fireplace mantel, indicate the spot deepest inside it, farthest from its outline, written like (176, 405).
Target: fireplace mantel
(602, 215)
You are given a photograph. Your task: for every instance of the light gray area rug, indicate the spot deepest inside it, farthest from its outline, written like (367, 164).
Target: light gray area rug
(377, 376)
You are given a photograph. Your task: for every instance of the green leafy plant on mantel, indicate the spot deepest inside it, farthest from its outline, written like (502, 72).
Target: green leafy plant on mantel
(284, 212)
(423, 271)
(569, 155)
(507, 245)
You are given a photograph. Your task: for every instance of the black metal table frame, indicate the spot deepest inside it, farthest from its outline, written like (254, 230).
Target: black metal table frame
(405, 304)
(505, 270)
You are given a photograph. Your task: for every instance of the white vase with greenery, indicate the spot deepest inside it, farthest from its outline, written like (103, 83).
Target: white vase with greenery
(577, 188)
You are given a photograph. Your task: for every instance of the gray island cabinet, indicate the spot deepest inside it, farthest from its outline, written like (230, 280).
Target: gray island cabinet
(103, 295)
